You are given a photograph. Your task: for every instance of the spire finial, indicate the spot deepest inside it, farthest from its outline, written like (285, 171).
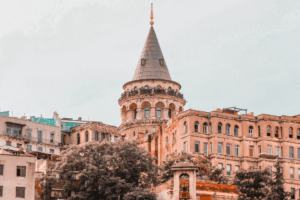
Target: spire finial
(151, 16)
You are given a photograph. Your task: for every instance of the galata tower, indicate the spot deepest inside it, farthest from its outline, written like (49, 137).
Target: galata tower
(151, 98)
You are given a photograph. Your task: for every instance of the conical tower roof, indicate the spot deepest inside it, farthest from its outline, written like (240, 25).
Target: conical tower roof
(152, 64)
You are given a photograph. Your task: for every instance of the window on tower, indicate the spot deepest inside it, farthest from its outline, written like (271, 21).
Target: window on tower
(143, 62)
(161, 62)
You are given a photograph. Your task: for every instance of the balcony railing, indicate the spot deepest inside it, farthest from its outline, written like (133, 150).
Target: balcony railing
(30, 139)
(151, 91)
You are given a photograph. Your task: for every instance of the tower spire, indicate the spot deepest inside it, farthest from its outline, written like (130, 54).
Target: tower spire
(151, 15)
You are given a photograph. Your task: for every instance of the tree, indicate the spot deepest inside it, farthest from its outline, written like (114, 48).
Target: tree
(252, 184)
(105, 170)
(276, 185)
(204, 167)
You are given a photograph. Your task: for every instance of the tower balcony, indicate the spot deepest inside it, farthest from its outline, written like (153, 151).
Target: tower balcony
(151, 91)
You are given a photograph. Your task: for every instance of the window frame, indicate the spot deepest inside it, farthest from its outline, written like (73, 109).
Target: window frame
(220, 127)
(158, 112)
(237, 150)
(19, 192)
(205, 129)
(1, 170)
(228, 149)
(251, 131)
(196, 126)
(197, 147)
(228, 127)
(291, 153)
(205, 149)
(21, 171)
(236, 130)
(147, 112)
(220, 148)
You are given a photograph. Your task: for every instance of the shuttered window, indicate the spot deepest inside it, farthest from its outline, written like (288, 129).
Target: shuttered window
(1, 169)
(205, 149)
(1, 191)
(21, 171)
(20, 192)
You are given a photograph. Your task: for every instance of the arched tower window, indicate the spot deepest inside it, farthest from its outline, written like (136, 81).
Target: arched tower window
(250, 131)
(268, 131)
(205, 127)
(158, 112)
(196, 126)
(96, 136)
(219, 127)
(86, 136)
(236, 130)
(291, 132)
(185, 127)
(135, 113)
(228, 129)
(147, 112)
(78, 138)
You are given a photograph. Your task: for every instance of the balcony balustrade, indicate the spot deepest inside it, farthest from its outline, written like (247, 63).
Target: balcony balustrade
(151, 91)
(30, 139)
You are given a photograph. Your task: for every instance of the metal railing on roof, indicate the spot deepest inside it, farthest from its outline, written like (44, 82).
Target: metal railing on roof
(30, 139)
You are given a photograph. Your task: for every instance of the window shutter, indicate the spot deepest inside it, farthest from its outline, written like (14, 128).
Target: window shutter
(23, 192)
(23, 172)
(1, 169)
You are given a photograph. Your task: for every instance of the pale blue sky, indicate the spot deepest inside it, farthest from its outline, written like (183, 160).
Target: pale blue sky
(74, 56)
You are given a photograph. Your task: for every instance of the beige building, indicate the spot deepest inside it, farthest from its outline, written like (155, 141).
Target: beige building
(30, 135)
(17, 176)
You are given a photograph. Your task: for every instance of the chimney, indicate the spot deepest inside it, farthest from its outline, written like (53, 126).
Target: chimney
(79, 118)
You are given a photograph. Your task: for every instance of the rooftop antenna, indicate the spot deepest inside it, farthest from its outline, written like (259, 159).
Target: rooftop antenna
(151, 15)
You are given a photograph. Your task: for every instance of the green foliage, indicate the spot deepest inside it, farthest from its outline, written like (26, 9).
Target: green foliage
(276, 185)
(107, 170)
(204, 167)
(252, 184)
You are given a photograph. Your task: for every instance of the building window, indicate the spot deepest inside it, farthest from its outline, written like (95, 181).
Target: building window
(158, 112)
(185, 146)
(135, 113)
(220, 165)
(133, 134)
(228, 149)
(291, 172)
(269, 149)
(251, 151)
(40, 149)
(236, 150)
(281, 151)
(250, 131)
(143, 62)
(40, 136)
(146, 86)
(205, 149)
(259, 149)
(219, 127)
(1, 191)
(167, 142)
(86, 136)
(228, 170)
(161, 62)
(8, 143)
(236, 130)
(20, 192)
(197, 147)
(291, 152)
(196, 126)
(210, 144)
(268, 131)
(205, 127)
(259, 131)
(52, 151)
(293, 193)
(1, 169)
(78, 138)
(228, 129)
(299, 175)
(135, 88)
(174, 139)
(21, 171)
(102, 137)
(291, 132)
(220, 147)
(96, 136)
(169, 113)
(51, 137)
(147, 112)
(13, 130)
(210, 128)
(276, 132)
(277, 151)
(185, 127)
(115, 138)
(237, 167)
(29, 134)
(29, 148)
(298, 135)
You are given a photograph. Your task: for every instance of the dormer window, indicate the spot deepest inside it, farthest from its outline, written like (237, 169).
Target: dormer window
(143, 62)
(161, 62)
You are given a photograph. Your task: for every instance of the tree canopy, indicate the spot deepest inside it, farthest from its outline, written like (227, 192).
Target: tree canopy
(105, 170)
